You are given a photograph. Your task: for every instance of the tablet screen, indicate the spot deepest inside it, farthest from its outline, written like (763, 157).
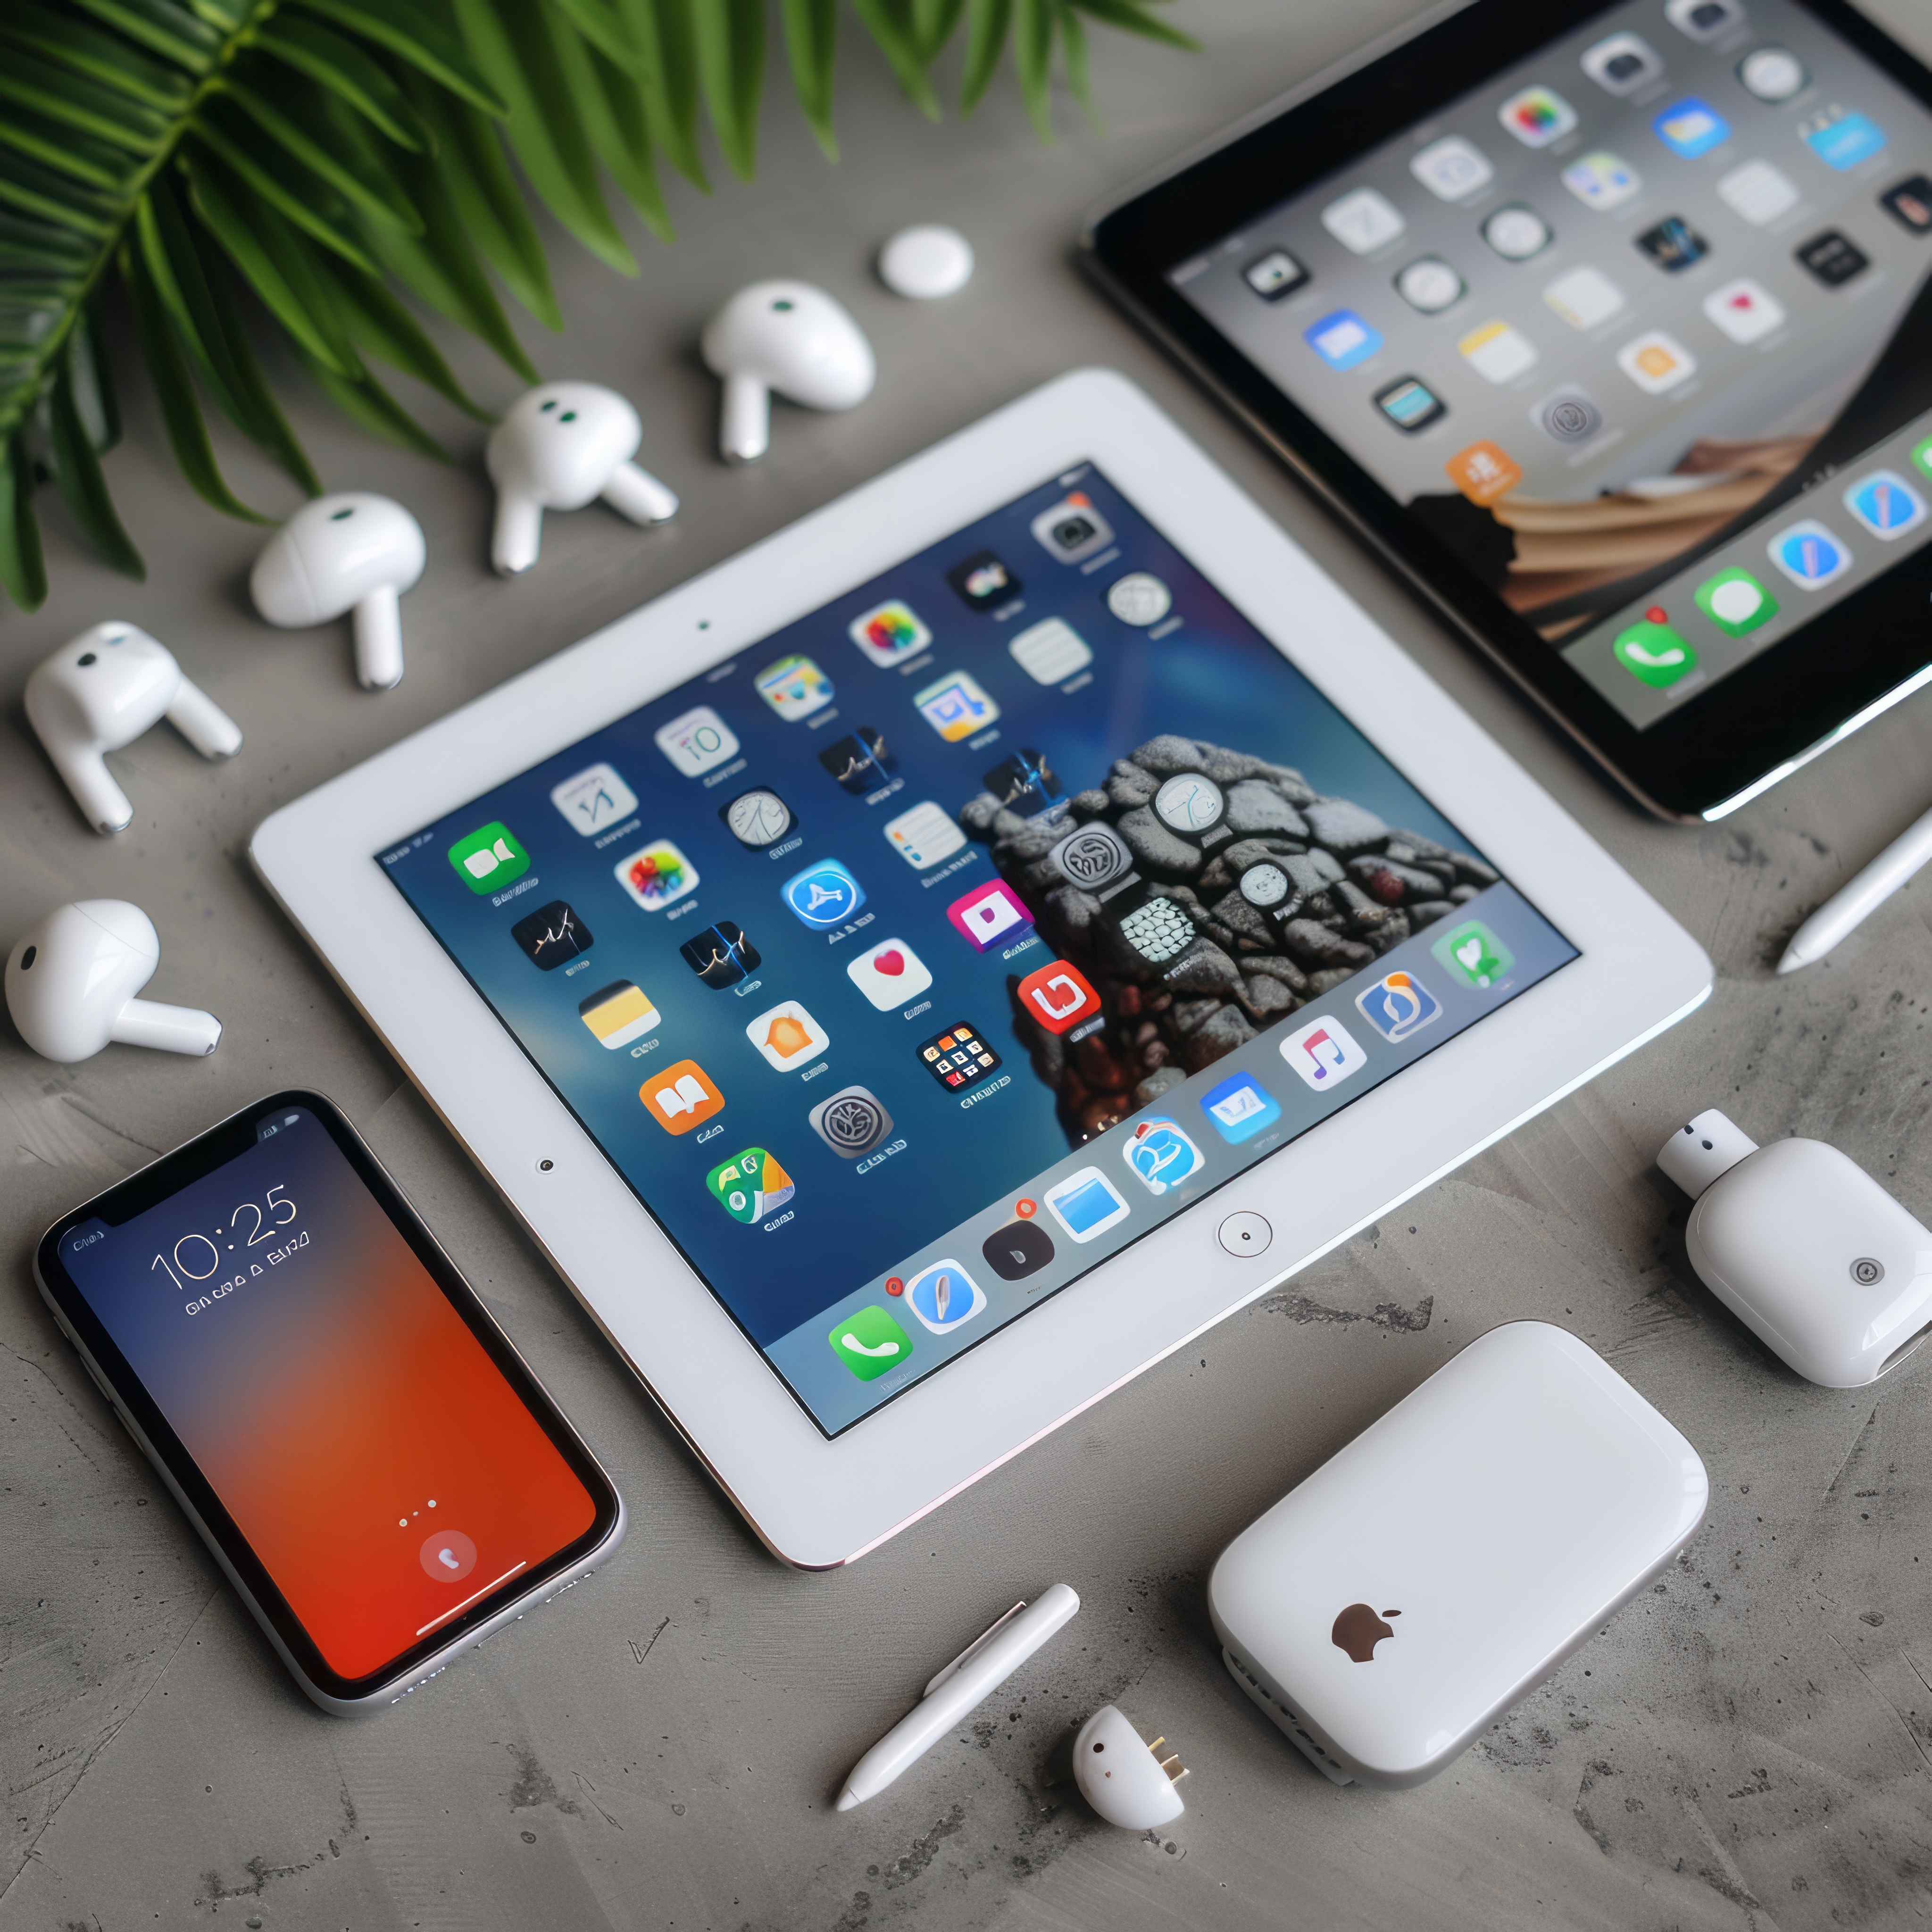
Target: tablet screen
(932, 950)
(1640, 329)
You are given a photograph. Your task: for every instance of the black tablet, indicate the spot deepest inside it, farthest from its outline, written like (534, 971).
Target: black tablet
(1612, 326)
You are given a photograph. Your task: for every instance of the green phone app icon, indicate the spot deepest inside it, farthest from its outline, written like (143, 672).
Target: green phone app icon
(1474, 952)
(1654, 650)
(1922, 456)
(490, 858)
(1735, 602)
(870, 1343)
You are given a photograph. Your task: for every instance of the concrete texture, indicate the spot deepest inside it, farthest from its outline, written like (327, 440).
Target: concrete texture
(1747, 1747)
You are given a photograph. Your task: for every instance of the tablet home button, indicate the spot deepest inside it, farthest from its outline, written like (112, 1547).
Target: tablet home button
(1245, 1235)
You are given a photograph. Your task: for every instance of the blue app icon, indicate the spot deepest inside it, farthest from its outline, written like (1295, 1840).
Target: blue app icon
(1809, 554)
(1240, 1108)
(823, 895)
(1342, 340)
(1160, 1154)
(1399, 1005)
(1885, 504)
(1691, 128)
(1843, 140)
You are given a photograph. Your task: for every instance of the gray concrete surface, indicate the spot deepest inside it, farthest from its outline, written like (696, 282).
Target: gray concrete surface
(1747, 1748)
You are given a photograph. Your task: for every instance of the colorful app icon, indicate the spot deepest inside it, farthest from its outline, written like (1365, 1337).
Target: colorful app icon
(824, 894)
(1745, 310)
(860, 762)
(851, 1122)
(489, 859)
(1363, 221)
(1157, 929)
(1673, 244)
(788, 1036)
(551, 935)
(1159, 1155)
(1585, 297)
(794, 688)
(1240, 1108)
(924, 836)
(1323, 1053)
(658, 876)
(1736, 602)
(889, 974)
(721, 955)
(699, 742)
(1517, 232)
(681, 1096)
(1757, 191)
(1430, 285)
(990, 915)
(1073, 530)
(750, 1185)
(870, 1343)
(1410, 404)
(1809, 555)
(1484, 472)
(1343, 339)
(1704, 19)
(1570, 416)
(1276, 276)
(594, 800)
(1774, 73)
(1885, 504)
(758, 818)
(1397, 1005)
(1910, 204)
(944, 1296)
(1602, 181)
(890, 633)
(1921, 455)
(618, 1014)
(984, 581)
(1057, 997)
(1498, 353)
(1841, 140)
(1537, 116)
(1833, 258)
(1690, 128)
(1472, 950)
(1452, 169)
(1019, 1248)
(1086, 1204)
(1653, 650)
(956, 707)
(958, 1057)
(1655, 362)
(1050, 652)
(1622, 64)
(1025, 783)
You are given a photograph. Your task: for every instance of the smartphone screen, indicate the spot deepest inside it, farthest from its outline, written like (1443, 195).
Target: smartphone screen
(371, 1452)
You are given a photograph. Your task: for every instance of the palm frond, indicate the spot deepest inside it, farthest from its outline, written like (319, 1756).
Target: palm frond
(219, 166)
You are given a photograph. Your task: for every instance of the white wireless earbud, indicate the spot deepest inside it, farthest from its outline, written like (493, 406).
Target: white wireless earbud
(100, 691)
(788, 336)
(72, 978)
(1128, 1782)
(557, 448)
(351, 552)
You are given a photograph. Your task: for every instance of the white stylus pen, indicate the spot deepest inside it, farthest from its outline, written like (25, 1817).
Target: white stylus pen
(1854, 902)
(966, 1683)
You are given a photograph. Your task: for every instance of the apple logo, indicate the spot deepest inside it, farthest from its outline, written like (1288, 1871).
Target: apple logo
(1358, 1630)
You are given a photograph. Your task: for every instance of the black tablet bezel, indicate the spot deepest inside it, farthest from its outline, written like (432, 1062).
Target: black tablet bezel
(182, 1168)
(1723, 746)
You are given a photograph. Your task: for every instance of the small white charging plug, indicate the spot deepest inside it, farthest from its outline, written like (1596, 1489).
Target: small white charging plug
(1127, 1781)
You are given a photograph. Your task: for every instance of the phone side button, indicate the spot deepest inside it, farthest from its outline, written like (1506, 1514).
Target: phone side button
(1244, 1234)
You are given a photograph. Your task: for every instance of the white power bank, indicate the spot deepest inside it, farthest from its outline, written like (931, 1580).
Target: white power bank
(1396, 1604)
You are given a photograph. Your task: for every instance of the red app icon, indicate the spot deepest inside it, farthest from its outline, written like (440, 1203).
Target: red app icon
(1058, 996)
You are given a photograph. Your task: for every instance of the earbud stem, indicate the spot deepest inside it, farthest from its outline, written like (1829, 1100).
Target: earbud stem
(378, 624)
(171, 1029)
(85, 772)
(203, 723)
(745, 428)
(639, 495)
(518, 533)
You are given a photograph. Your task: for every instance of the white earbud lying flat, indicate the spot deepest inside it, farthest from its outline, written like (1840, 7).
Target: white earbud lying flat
(71, 980)
(352, 552)
(557, 448)
(788, 337)
(100, 691)
(1128, 1782)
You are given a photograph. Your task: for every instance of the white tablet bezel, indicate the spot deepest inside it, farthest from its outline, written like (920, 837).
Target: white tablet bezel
(817, 1504)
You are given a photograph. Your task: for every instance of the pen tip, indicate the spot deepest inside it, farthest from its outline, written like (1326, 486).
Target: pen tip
(848, 1800)
(1789, 963)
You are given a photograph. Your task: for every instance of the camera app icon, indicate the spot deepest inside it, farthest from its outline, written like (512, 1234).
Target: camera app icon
(1073, 530)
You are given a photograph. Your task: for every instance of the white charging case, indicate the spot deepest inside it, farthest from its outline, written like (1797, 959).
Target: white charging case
(1393, 1605)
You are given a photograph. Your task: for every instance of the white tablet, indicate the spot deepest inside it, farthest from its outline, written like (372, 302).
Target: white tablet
(917, 974)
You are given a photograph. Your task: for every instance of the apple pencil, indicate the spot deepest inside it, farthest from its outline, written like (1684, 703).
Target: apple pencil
(966, 1683)
(1852, 903)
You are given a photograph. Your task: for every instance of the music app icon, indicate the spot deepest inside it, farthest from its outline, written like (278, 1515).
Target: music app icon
(1324, 1052)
